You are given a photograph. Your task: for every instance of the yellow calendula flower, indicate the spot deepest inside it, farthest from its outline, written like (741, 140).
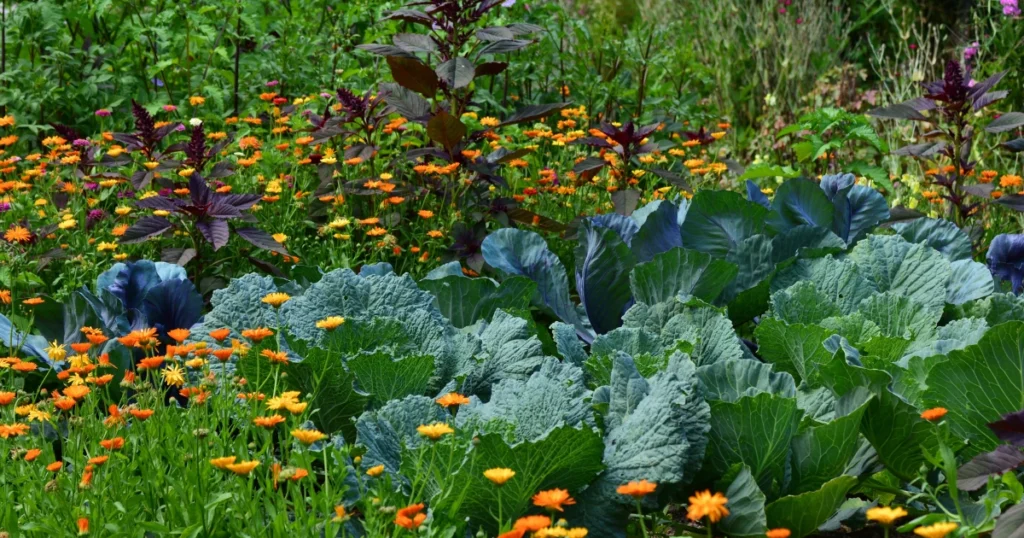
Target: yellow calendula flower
(434, 431)
(375, 471)
(499, 475)
(276, 299)
(56, 351)
(937, 530)
(330, 323)
(704, 504)
(885, 515)
(308, 437)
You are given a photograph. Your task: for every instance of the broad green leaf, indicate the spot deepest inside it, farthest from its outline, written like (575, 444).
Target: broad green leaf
(898, 433)
(680, 273)
(822, 452)
(914, 271)
(464, 301)
(385, 378)
(566, 458)
(792, 348)
(731, 380)
(755, 431)
(800, 202)
(969, 281)
(900, 316)
(603, 265)
(940, 234)
(803, 303)
(746, 504)
(980, 383)
(717, 221)
(802, 513)
(841, 281)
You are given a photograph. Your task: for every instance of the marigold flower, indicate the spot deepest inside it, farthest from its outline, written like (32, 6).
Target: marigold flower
(150, 363)
(934, 414)
(330, 323)
(196, 100)
(77, 392)
(7, 397)
(32, 454)
(223, 462)
(117, 443)
(411, 516)
(179, 335)
(637, 489)
(704, 504)
(499, 475)
(98, 460)
(25, 367)
(279, 357)
(17, 234)
(258, 334)
(777, 533)
(83, 526)
(220, 334)
(434, 431)
(55, 466)
(375, 471)
(223, 354)
(553, 499)
(885, 514)
(65, 404)
(937, 530)
(532, 523)
(308, 437)
(514, 533)
(173, 375)
(452, 398)
(141, 414)
(276, 299)
(268, 422)
(242, 468)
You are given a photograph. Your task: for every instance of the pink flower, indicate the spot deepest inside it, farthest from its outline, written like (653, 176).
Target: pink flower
(170, 108)
(103, 112)
(1010, 8)
(272, 83)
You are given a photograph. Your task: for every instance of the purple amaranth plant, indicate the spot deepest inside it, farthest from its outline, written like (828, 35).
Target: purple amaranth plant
(950, 103)
(1010, 8)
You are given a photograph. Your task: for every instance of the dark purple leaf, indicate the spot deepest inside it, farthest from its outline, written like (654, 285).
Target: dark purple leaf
(921, 150)
(1011, 523)
(490, 68)
(240, 201)
(199, 191)
(177, 256)
(406, 102)
(158, 202)
(501, 47)
(221, 169)
(455, 73)
(1006, 122)
(981, 88)
(1010, 428)
(899, 111)
(261, 239)
(981, 190)
(215, 231)
(503, 155)
(494, 33)
(414, 75)
(415, 43)
(592, 141)
(222, 209)
(533, 112)
(589, 166)
(1013, 201)
(385, 50)
(267, 267)
(1015, 145)
(625, 201)
(141, 179)
(411, 15)
(446, 130)
(989, 98)
(145, 228)
(523, 28)
(525, 216)
(975, 473)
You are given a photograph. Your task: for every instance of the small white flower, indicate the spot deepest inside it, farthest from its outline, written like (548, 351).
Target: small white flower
(195, 122)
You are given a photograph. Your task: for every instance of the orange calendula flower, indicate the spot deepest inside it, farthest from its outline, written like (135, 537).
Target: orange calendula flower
(452, 398)
(223, 354)
(83, 526)
(179, 335)
(279, 357)
(257, 334)
(704, 504)
(220, 334)
(308, 437)
(933, 414)
(7, 397)
(375, 471)
(532, 523)
(150, 363)
(411, 516)
(222, 463)
(116, 443)
(32, 454)
(268, 422)
(553, 499)
(34, 301)
(637, 489)
(98, 460)
(55, 466)
(434, 431)
(777, 533)
(242, 468)
(17, 234)
(141, 414)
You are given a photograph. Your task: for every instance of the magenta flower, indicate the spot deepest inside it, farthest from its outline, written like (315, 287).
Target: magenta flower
(1010, 8)
(103, 112)
(272, 83)
(170, 108)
